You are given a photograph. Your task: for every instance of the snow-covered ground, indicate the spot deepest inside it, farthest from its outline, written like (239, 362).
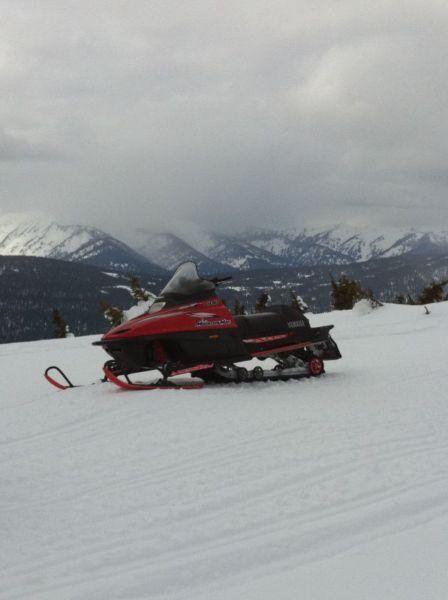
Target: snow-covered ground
(322, 489)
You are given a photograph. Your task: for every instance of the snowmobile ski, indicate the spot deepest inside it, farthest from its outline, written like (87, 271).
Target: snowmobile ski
(68, 385)
(161, 384)
(61, 386)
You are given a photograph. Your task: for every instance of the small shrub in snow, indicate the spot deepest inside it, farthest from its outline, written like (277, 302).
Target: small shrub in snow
(260, 305)
(433, 293)
(298, 302)
(238, 308)
(112, 313)
(60, 326)
(137, 291)
(374, 302)
(365, 306)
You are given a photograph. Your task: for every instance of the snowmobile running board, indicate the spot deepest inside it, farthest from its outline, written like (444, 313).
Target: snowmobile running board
(157, 385)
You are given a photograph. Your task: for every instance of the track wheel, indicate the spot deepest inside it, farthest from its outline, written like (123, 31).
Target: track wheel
(242, 374)
(258, 373)
(316, 366)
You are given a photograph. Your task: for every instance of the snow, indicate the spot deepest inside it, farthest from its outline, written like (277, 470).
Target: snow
(363, 307)
(38, 234)
(362, 243)
(322, 489)
(138, 309)
(358, 243)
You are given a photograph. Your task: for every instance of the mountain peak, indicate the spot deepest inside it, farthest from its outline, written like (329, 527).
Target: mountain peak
(38, 234)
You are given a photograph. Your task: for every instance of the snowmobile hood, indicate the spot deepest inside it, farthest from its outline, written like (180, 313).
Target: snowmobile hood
(209, 314)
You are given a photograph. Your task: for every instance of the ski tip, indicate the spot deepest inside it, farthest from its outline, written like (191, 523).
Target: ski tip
(57, 384)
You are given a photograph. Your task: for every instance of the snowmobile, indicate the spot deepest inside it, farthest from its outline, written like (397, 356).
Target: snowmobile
(189, 329)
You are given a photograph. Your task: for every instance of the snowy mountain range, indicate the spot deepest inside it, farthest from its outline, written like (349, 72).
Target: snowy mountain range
(341, 244)
(154, 252)
(39, 235)
(265, 248)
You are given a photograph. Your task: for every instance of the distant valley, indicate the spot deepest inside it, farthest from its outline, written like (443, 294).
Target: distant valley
(30, 287)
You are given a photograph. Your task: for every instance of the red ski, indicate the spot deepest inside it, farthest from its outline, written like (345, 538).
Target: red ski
(162, 384)
(66, 384)
(57, 384)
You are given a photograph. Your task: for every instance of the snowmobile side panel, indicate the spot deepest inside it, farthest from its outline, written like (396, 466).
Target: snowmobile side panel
(193, 317)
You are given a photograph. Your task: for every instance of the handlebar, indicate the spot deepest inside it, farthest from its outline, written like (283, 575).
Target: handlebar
(217, 280)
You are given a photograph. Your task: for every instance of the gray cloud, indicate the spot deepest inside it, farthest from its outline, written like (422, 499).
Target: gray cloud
(13, 149)
(225, 113)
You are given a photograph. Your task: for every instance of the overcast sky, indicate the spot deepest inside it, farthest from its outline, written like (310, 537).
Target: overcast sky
(226, 113)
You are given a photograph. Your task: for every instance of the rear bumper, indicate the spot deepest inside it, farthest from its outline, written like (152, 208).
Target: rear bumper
(330, 350)
(326, 344)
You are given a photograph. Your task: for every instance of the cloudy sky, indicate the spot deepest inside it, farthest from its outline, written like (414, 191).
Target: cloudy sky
(226, 113)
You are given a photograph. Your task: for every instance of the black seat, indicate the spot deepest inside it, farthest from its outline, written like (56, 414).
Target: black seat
(260, 323)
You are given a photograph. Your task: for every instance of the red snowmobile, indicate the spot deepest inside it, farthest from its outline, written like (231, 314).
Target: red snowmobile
(189, 329)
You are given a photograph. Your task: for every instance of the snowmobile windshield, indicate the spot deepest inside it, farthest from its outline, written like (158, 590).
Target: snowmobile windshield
(186, 282)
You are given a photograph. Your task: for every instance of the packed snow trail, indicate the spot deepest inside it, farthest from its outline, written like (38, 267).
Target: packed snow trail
(326, 488)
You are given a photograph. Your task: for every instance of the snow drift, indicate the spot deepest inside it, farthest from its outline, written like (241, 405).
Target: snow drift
(315, 489)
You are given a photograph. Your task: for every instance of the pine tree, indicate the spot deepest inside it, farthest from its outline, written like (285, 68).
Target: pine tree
(297, 302)
(112, 313)
(138, 293)
(60, 325)
(434, 292)
(346, 292)
(262, 301)
(400, 299)
(374, 302)
(238, 308)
